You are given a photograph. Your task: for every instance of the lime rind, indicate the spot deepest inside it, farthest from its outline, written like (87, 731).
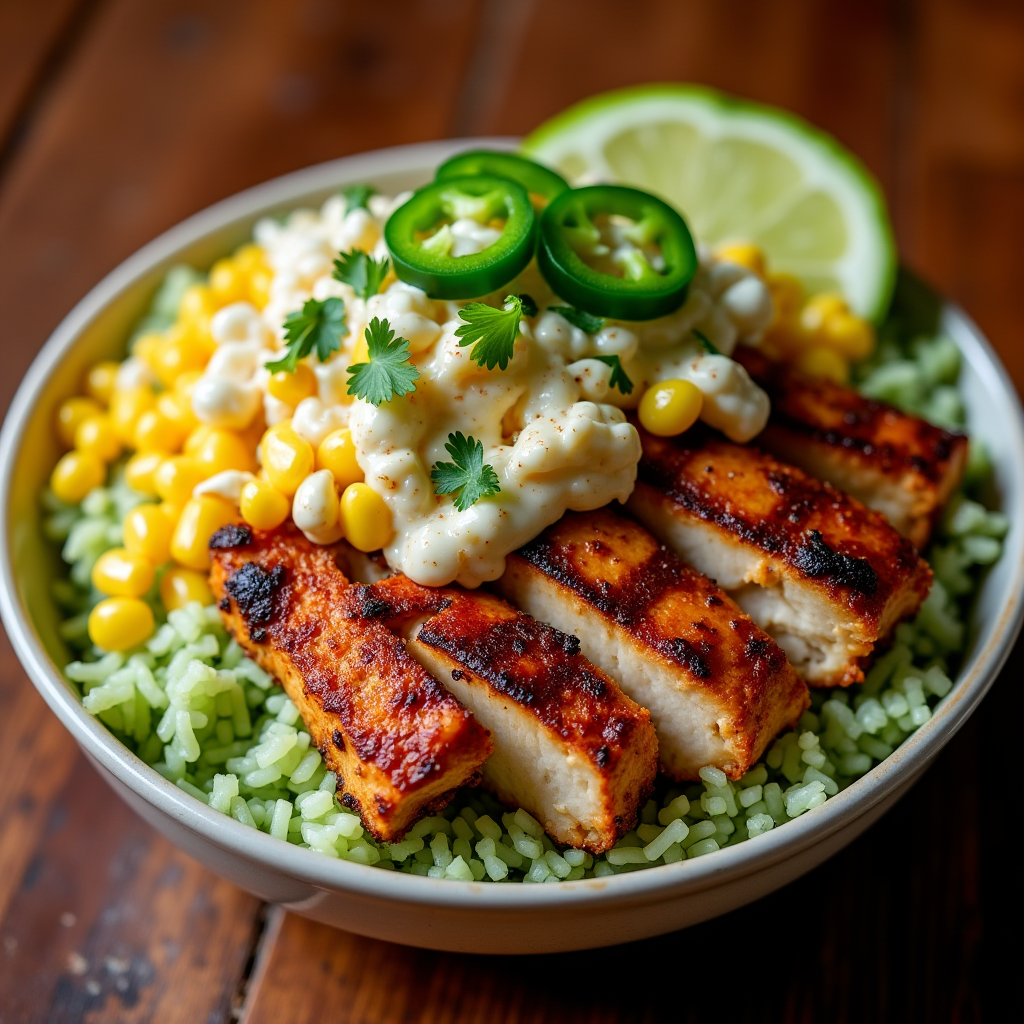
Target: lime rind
(576, 140)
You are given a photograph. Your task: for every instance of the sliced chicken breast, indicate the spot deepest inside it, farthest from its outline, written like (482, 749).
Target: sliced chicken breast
(717, 687)
(824, 575)
(399, 742)
(569, 746)
(897, 464)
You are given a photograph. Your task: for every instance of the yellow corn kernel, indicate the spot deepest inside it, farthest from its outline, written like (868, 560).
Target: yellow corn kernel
(823, 362)
(154, 432)
(100, 381)
(197, 304)
(119, 623)
(670, 407)
(365, 517)
(139, 471)
(849, 335)
(97, 436)
(820, 308)
(223, 449)
(228, 282)
(337, 452)
(71, 413)
(177, 409)
(146, 346)
(292, 388)
(125, 409)
(185, 384)
(122, 573)
(787, 296)
(200, 519)
(262, 505)
(171, 509)
(75, 475)
(287, 458)
(745, 255)
(147, 532)
(180, 586)
(250, 257)
(360, 351)
(175, 478)
(185, 349)
(259, 287)
(196, 438)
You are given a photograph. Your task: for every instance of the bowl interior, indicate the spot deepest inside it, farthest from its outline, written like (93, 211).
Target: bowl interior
(98, 327)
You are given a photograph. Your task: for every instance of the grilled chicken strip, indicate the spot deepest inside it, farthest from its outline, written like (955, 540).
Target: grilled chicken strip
(895, 463)
(825, 576)
(569, 746)
(718, 688)
(399, 742)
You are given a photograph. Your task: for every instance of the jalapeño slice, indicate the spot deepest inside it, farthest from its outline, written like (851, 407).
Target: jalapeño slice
(644, 290)
(419, 238)
(535, 178)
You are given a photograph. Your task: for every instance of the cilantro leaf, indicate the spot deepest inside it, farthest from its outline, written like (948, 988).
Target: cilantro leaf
(388, 372)
(619, 379)
(578, 318)
(492, 332)
(320, 326)
(361, 271)
(469, 478)
(705, 342)
(357, 196)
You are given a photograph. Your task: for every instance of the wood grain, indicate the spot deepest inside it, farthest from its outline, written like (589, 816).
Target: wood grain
(33, 37)
(770, 52)
(36, 756)
(112, 923)
(961, 201)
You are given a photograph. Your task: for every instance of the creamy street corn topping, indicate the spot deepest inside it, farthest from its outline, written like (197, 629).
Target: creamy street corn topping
(552, 424)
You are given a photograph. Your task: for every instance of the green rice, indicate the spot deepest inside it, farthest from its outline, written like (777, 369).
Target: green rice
(190, 703)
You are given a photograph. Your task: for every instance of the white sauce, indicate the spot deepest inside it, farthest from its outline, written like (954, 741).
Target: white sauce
(227, 484)
(551, 426)
(316, 510)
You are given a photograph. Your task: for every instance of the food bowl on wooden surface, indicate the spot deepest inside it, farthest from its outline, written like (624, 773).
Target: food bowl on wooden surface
(439, 913)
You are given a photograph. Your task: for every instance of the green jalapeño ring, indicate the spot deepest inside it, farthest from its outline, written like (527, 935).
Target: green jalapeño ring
(643, 291)
(535, 178)
(419, 237)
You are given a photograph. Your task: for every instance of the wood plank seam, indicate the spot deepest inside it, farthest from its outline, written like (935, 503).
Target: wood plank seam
(46, 79)
(265, 942)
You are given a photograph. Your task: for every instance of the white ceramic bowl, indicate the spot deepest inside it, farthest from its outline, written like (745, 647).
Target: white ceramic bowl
(472, 917)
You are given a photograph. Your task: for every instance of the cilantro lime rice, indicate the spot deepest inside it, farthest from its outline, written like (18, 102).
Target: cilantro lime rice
(191, 704)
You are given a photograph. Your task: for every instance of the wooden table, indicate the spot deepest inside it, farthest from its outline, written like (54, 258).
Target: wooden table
(120, 117)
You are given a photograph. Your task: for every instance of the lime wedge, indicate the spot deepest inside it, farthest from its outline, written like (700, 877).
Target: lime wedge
(739, 172)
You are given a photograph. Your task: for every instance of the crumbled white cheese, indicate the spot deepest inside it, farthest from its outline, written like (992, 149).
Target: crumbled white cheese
(551, 425)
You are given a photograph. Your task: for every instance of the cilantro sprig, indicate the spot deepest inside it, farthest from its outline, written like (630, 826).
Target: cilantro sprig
(388, 371)
(361, 271)
(619, 378)
(357, 197)
(320, 326)
(468, 477)
(493, 332)
(579, 318)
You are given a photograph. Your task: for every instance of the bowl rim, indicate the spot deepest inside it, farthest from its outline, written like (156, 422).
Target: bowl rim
(647, 886)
